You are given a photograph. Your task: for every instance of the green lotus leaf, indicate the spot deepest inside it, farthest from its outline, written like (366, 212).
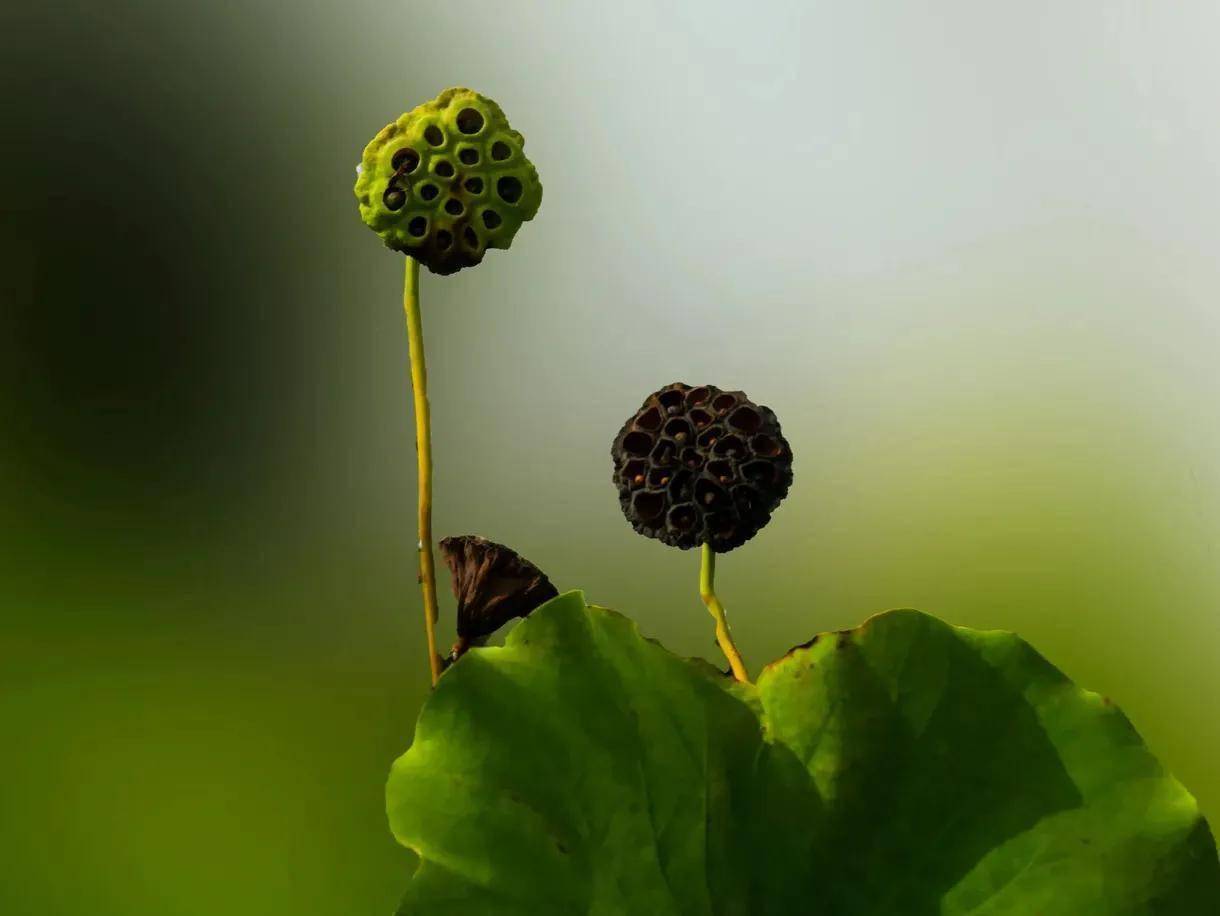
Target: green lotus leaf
(906, 767)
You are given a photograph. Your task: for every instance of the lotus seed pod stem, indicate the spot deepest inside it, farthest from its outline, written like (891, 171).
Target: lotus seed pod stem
(423, 454)
(707, 591)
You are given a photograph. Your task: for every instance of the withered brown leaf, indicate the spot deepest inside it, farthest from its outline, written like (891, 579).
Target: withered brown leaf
(492, 584)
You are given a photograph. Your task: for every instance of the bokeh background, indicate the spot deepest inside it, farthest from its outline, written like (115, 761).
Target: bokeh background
(969, 252)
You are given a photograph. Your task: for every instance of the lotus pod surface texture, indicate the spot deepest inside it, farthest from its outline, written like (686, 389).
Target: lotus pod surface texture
(448, 180)
(701, 465)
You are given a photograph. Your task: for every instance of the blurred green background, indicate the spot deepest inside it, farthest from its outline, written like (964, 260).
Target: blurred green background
(967, 252)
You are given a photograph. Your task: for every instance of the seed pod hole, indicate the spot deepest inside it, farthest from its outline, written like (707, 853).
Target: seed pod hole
(509, 188)
(444, 240)
(671, 397)
(444, 168)
(680, 489)
(745, 419)
(765, 446)
(468, 156)
(394, 198)
(721, 470)
(633, 471)
(428, 192)
(664, 453)
(454, 207)
(469, 121)
(730, 446)
(470, 237)
(761, 473)
(683, 517)
(709, 495)
(500, 151)
(659, 477)
(678, 430)
(648, 505)
(723, 402)
(637, 443)
(649, 420)
(418, 226)
(700, 417)
(433, 135)
(406, 160)
(697, 396)
(491, 219)
(710, 437)
(692, 459)
(473, 185)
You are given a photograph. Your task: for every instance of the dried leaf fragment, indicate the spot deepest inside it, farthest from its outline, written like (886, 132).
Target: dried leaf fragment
(492, 584)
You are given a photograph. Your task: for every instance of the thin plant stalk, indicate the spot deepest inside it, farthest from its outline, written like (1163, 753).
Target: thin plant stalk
(707, 591)
(423, 455)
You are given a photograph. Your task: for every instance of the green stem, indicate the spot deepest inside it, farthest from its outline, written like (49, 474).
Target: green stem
(707, 591)
(423, 455)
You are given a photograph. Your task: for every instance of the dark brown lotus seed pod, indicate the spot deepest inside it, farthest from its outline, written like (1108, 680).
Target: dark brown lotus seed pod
(701, 465)
(493, 584)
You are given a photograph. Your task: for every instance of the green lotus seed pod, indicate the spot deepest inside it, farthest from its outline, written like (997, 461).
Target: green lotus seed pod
(447, 181)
